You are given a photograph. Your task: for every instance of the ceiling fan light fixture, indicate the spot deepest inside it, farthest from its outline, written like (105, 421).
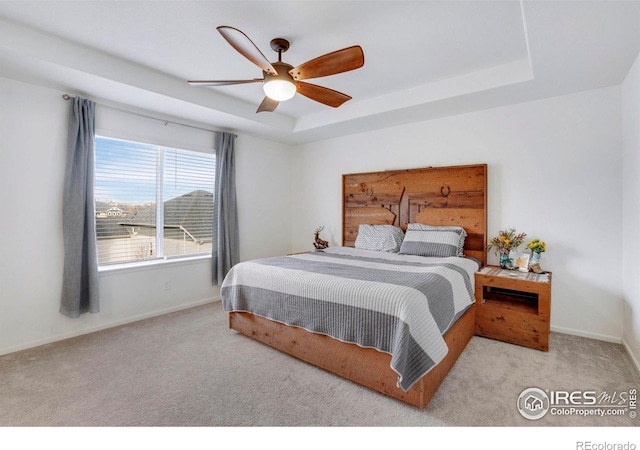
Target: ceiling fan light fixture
(279, 90)
(279, 87)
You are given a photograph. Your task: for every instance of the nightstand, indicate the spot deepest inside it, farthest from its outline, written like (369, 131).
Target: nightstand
(513, 306)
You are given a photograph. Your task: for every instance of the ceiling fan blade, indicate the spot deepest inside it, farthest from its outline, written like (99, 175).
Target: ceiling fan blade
(223, 82)
(241, 42)
(268, 105)
(349, 58)
(321, 94)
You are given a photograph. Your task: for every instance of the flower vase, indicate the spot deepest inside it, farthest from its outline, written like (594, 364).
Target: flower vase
(505, 261)
(535, 258)
(534, 264)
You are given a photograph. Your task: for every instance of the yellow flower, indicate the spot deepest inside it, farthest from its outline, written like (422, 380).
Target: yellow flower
(507, 240)
(537, 246)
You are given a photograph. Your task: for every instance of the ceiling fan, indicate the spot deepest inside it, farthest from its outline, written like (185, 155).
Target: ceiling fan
(282, 80)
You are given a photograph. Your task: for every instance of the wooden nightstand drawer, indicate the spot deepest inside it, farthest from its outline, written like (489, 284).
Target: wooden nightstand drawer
(513, 307)
(516, 327)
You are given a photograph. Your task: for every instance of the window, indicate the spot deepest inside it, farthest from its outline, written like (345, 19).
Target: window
(151, 202)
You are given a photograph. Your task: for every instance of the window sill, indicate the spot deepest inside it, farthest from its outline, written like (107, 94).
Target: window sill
(114, 269)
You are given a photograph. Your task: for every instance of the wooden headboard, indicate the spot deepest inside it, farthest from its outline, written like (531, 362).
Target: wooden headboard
(454, 195)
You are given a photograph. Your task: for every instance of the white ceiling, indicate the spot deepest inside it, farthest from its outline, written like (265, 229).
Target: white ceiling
(423, 59)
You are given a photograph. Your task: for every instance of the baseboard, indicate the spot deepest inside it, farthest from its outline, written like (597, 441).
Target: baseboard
(597, 336)
(601, 337)
(107, 325)
(631, 355)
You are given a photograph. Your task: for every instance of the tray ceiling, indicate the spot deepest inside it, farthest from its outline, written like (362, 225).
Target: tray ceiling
(423, 59)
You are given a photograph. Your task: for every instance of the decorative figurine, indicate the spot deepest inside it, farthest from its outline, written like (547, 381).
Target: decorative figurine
(319, 244)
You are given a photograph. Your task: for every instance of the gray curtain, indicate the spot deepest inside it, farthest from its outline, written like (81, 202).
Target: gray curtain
(80, 277)
(226, 248)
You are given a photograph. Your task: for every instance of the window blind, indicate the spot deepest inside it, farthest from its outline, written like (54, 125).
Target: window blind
(151, 201)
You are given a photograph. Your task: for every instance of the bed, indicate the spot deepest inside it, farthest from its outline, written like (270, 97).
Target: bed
(377, 310)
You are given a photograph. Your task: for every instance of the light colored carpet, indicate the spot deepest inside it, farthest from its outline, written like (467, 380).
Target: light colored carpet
(188, 369)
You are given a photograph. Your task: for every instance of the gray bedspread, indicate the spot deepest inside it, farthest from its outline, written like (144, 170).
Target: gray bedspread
(398, 304)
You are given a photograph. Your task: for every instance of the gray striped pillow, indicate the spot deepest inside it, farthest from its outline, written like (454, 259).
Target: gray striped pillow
(382, 238)
(433, 242)
(462, 231)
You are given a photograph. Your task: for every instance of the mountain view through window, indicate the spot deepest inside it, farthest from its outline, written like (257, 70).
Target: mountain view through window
(151, 201)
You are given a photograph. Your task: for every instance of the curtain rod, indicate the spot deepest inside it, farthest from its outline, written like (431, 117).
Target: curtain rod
(68, 97)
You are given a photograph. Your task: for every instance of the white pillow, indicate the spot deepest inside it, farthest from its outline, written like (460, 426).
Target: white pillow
(382, 238)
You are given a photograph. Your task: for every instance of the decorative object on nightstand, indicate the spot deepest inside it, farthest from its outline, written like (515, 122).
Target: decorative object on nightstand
(513, 306)
(537, 247)
(318, 243)
(508, 240)
(522, 262)
(535, 268)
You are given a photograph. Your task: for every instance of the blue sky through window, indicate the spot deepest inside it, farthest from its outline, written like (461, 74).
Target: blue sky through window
(126, 171)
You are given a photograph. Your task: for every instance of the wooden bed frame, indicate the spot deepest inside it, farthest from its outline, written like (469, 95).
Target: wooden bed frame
(455, 195)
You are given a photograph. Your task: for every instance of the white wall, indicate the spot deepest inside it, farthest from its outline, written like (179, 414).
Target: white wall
(554, 172)
(631, 209)
(33, 128)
